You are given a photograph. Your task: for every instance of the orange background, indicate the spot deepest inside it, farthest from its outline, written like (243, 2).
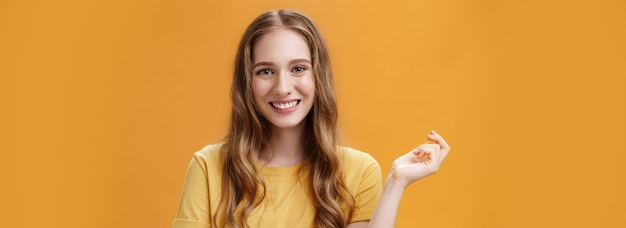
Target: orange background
(104, 102)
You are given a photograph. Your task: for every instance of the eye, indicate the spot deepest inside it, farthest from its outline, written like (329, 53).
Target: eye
(298, 69)
(264, 72)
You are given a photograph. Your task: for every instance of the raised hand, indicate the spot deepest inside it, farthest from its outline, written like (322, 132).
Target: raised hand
(423, 161)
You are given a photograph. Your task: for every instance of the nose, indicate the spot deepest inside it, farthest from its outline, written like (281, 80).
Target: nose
(283, 85)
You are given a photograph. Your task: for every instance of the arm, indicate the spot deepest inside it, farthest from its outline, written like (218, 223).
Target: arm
(425, 160)
(387, 209)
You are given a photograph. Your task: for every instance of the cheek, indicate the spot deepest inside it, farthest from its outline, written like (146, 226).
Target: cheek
(257, 89)
(309, 85)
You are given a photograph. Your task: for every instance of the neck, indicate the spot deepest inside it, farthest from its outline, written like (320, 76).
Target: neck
(286, 147)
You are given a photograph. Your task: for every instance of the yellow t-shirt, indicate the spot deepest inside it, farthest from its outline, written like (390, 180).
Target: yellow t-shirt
(288, 202)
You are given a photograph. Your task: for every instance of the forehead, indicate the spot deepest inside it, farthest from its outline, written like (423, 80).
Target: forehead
(280, 46)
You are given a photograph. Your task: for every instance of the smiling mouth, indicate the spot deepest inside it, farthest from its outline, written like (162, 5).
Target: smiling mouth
(285, 105)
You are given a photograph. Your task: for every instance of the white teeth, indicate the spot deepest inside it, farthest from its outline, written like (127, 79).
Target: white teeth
(285, 105)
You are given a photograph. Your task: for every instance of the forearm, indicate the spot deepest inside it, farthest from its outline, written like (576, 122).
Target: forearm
(387, 209)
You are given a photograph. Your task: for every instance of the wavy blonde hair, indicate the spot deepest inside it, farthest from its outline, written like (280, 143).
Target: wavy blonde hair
(243, 187)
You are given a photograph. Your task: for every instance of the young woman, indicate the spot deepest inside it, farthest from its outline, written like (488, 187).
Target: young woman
(280, 165)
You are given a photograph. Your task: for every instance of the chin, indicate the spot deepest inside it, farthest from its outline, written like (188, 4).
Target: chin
(287, 124)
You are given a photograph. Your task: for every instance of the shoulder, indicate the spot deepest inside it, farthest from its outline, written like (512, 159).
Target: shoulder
(208, 155)
(357, 161)
(351, 155)
(209, 150)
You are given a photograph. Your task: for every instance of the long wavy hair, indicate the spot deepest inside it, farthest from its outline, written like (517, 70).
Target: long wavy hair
(243, 187)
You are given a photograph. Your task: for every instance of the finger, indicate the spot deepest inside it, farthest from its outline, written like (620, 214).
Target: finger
(420, 155)
(430, 143)
(427, 150)
(445, 148)
(429, 154)
(434, 144)
(437, 138)
(417, 152)
(437, 160)
(427, 143)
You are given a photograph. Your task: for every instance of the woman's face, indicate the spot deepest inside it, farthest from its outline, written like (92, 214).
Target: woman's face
(282, 80)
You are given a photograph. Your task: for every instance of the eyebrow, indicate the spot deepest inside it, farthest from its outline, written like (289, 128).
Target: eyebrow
(299, 61)
(272, 64)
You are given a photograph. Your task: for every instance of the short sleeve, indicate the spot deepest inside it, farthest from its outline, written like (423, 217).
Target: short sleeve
(369, 190)
(193, 209)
